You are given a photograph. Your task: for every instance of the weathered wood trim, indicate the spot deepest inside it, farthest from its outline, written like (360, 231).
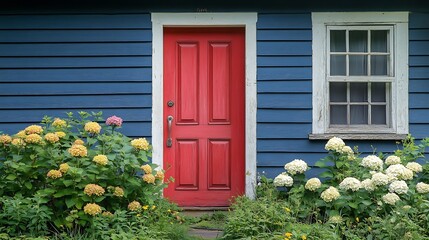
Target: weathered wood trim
(381, 136)
(399, 94)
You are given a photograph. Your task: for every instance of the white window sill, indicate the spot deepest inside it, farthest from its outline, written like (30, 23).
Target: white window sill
(369, 136)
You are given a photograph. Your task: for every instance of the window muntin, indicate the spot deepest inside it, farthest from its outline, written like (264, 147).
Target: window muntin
(360, 74)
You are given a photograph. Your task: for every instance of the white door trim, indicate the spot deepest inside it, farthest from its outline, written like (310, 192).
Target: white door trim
(246, 20)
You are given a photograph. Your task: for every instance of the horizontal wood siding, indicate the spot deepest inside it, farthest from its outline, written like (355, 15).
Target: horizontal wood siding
(285, 97)
(52, 64)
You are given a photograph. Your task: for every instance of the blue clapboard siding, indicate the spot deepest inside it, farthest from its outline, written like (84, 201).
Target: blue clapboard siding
(52, 64)
(284, 91)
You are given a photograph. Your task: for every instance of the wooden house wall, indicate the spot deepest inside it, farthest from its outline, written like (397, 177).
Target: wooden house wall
(55, 63)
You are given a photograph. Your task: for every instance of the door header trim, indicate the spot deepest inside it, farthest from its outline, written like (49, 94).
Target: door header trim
(246, 20)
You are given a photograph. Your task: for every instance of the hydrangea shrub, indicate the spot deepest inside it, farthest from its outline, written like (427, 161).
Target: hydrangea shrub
(80, 167)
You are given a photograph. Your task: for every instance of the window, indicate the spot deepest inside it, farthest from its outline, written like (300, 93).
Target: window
(360, 75)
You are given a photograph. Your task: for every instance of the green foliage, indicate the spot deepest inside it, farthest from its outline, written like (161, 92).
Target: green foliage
(55, 170)
(260, 217)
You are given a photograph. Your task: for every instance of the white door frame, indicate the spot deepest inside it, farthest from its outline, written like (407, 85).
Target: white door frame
(246, 20)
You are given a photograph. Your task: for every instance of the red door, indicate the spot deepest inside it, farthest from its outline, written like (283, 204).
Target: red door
(204, 115)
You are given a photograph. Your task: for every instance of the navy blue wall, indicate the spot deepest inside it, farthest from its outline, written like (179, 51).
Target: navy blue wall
(51, 64)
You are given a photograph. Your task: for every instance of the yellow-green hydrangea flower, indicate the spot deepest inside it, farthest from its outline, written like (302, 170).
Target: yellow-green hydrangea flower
(64, 167)
(18, 142)
(33, 138)
(159, 175)
(149, 178)
(79, 142)
(100, 159)
(60, 134)
(78, 151)
(92, 209)
(134, 206)
(140, 144)
(52, 137)
(59, 123)
(34, 129)
(54, 174)
(146, 168)
(93, 189)
(5, 139)
(92, 127)
(118, 192)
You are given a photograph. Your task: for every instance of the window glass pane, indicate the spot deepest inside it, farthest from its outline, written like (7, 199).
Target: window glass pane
(358, 41)
(359, 114)
(379, 41)
(358, 92)
(358, 65)
(338, 114)
(378, 114)
(338, 40)
(338, 92)
(378, 92)
(338, 65)
(379, 65)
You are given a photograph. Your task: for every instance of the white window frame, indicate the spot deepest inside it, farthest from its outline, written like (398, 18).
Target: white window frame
(399, 85)
(246, 20)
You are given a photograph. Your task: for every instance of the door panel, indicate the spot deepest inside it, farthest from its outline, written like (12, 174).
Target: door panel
(204, 78)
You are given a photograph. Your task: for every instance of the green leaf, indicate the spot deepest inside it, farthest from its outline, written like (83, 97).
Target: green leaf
(70, 202)
(326, 174)
(68, 182)
(339, 164)
(353, 205)
(366, 202)
(63, 193)
(28, 185)
(11, 177)
(320, 164)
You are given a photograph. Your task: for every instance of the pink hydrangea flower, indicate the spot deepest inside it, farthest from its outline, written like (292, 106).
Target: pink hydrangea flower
(114, 120)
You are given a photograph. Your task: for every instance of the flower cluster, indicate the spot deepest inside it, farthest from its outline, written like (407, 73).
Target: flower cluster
(140, 144)
(107, 214)
(52, 137)
(313, 184)
(64, 167)
(60, 134)
(399, 187)
(335, 144)
(149, 178)
(92, 127)
(392, 160)
(415, 167)
(33, 138)
(380, 179)
(349, 152)
(78, 151)
(336, 219)
(146, 168)
(330, 194)
(33, 129)
(21, 134)
(399, 172)
(391, 198)
(134, 206)
(350, 183)
(159, 175)
(92, 209)
(18, 142)
(59, 123)
(368, 184)
(93, 189)
(118, 192)
(296, 166)
(101, 160)
(372, 162)
(283, 180)
(114, 120)
(5, 139)
(78, 142)
(422, 188)
(54, 174)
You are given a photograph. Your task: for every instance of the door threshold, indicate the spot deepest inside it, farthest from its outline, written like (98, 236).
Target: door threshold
(205, 208)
